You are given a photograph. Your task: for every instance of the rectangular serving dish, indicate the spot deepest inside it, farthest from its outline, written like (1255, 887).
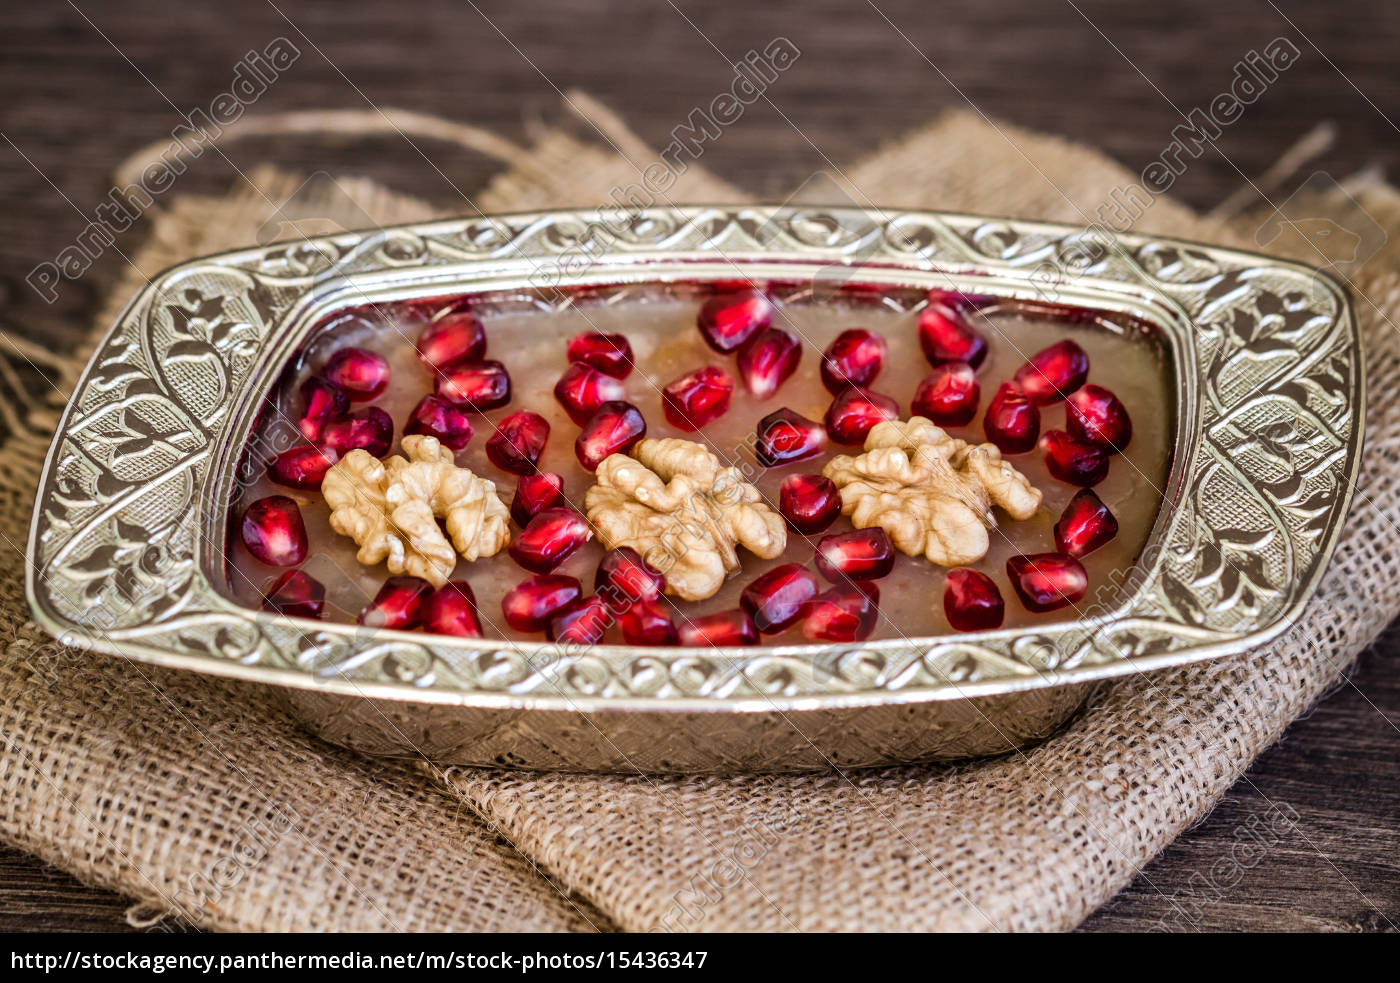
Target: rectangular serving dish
(132, 511)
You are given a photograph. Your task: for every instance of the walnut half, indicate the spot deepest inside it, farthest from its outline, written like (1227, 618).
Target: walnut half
(932, 493)
(391, 507)
(686, 514)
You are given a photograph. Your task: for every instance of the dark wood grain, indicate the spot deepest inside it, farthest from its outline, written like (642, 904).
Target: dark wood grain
(74, 105)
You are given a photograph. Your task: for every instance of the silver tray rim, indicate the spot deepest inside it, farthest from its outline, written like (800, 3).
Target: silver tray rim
(288, 285)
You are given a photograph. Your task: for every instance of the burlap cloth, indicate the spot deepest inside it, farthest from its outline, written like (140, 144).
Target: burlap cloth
(197, 796)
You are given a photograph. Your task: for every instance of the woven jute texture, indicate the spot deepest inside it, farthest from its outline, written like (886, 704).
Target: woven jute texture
(199, 797)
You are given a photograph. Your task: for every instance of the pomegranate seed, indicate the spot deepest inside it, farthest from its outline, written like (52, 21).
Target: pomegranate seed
(1096, 415)
(948, 395)
(623, 578)
(534, 493)
(855, 358)
(809, 502)
(451, 610)
(549, 539)
(865, 554)
(476, 386)
(302, 467)
(648, 623)
(729, 319)
(785, 437)
(323, 402)
(1012, 421)
(1076, 462)
(453, 337)
(1046, 581)
(531, 604)
(439, 418)
(1053, 373)
(273, 531)
(296, 594)
(398, 604)
(767, 359)
(1085, 525)
(697, 398)
(775, 599)
(612, 430)
(845, 613)
(370, 430)
(582, 389)
(610, 353)
(945, 336)
(361, 373)
(518, 442)
(972, 601)
(583, 624)
(733, 627)
(855, 412)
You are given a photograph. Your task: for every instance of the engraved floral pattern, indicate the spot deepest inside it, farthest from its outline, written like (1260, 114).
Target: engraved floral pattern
(122, 533)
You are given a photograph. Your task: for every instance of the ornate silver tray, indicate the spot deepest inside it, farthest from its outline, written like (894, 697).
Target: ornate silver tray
(132, 509)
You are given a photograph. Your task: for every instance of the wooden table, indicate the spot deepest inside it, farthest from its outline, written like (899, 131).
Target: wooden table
(84, 86)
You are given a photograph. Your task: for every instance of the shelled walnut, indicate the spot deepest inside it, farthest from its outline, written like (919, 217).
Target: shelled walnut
(391, 507)
(684, 512)
(931, 493)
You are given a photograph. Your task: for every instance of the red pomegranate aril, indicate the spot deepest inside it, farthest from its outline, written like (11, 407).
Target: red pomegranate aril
(768, 359)
(786, 437)
(775, 599)
(398, 605)
(439, 418)
(476, 386)
(273, 531)
(549, 539)
(729, 319)
(1012, 421)
(451, 610)
(1094, 414)
(323, 402)
(582, 389)
(1053, 373)
(845, 613)
(302, 467)
(945, 336)
(855, 412)
(948, 395)
(648, 623)
(854, 358)
(972, 601)
(1076, 462)
(623, 578)
(518, 442)
(697, 398)
(370, 430)
(534, 493)
(610, 353)
(296, 594)
(614, 428)
(865, 554)
(361, 373)
(1085, 525)
(809, 502)
(583, 624)
(1047, 581)
(454, 337)
(530, 605)
(733, 627)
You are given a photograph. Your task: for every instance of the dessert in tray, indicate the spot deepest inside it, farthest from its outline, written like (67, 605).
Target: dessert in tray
(258, 423)
(705, 464)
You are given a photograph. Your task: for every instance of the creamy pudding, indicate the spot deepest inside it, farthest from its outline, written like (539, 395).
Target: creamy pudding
(527, 353)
